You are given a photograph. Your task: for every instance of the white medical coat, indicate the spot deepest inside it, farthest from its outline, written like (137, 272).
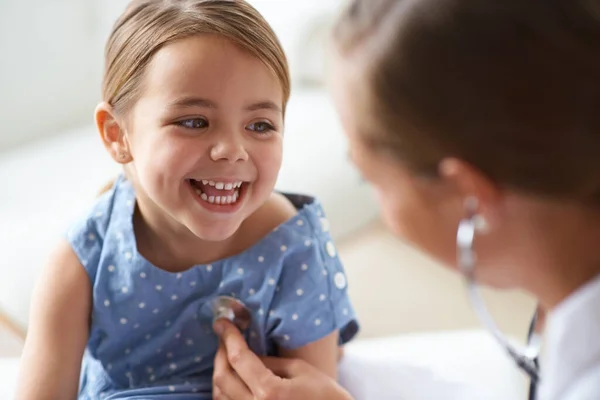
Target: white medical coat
(571, 362)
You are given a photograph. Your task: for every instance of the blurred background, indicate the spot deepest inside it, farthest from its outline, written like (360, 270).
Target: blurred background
(52, 164)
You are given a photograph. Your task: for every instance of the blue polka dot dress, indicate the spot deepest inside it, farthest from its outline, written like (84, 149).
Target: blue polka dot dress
(151, 330)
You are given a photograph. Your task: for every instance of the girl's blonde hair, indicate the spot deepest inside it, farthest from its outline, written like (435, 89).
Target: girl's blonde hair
(146, 26)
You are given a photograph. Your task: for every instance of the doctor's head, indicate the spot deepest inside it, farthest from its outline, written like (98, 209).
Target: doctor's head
(447, 100)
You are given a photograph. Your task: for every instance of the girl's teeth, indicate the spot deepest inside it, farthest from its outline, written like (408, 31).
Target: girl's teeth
(223, 185)
(222, 200)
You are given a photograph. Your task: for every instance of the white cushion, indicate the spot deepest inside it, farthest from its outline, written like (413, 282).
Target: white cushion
(48, 184)
(316, 162)
(9, 368)
(462, 365)
(45, 186)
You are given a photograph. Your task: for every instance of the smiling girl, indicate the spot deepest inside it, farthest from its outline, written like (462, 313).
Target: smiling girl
(195, 93)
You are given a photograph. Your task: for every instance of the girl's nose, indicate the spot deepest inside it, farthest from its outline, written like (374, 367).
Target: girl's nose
(229, 148)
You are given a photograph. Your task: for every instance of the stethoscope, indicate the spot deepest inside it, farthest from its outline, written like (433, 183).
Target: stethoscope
(236, 312)
(525, 357)
(232, 309)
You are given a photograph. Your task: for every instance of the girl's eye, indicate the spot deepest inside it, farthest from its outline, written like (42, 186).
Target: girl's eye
(261, 127)
(193, 123)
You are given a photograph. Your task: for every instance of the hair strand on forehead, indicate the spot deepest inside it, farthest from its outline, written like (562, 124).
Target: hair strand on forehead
(148, 25)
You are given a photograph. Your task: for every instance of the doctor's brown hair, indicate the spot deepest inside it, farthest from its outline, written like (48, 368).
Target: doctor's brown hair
(511, 87)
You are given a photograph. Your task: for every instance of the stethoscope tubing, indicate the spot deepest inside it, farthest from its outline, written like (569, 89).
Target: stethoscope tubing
(525, 358)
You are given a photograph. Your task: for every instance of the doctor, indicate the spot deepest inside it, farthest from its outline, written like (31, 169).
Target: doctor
(483, 115)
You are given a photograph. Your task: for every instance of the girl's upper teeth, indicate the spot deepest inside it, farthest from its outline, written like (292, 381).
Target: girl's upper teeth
(223, 185)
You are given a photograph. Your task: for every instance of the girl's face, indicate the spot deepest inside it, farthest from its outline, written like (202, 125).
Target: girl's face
(205, 136)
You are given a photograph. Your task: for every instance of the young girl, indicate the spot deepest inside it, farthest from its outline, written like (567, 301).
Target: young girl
(194, 101)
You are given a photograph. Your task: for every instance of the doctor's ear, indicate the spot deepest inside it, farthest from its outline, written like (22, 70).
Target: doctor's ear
(113, 134)
(479, 193)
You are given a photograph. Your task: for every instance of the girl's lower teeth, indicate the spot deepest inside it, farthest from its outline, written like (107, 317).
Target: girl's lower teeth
(225, 200)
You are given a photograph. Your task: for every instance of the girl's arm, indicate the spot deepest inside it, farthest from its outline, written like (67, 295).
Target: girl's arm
(58, 330)
(322, 354)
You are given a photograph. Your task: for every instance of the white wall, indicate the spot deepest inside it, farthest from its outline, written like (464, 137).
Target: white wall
(51, 58)
(50, 64)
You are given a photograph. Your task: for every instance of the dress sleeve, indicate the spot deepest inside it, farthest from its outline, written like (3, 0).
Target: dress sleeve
(311, 300)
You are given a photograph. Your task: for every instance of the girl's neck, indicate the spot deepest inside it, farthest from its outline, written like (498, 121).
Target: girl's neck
(173, 249)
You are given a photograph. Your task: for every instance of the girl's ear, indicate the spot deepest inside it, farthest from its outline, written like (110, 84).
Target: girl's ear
(112, 134)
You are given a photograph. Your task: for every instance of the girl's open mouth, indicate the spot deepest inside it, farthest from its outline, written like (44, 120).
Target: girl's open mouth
(218, 193)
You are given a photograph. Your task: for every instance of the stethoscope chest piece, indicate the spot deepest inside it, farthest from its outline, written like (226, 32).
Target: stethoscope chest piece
(231, 309)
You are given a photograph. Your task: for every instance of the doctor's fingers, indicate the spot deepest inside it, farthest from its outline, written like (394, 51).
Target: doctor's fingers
(227, 385)
(217, 395)
(248, 366)
(289, 368)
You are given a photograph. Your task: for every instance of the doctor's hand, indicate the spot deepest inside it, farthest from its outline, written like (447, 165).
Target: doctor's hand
(239, 374)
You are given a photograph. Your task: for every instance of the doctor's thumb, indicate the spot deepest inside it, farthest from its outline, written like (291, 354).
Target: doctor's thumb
(219, 327)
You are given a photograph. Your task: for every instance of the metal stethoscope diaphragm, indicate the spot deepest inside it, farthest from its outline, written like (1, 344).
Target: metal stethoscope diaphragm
(231, 309)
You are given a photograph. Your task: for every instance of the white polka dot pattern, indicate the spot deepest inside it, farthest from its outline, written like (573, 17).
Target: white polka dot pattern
(153, 325)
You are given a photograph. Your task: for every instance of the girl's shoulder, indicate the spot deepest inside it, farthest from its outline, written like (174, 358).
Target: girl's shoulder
(284, 215)
(88, 233)
(288, 226)
(276, 211)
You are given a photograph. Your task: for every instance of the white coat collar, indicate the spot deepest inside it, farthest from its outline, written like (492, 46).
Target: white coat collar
(572, 344)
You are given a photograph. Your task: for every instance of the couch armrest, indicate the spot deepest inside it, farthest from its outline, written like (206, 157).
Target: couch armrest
(11, 327)
(463, 365)
(9, 368)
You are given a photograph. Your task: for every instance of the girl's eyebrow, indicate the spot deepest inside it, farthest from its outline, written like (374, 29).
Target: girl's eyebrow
(264, 105)
(185, 102)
